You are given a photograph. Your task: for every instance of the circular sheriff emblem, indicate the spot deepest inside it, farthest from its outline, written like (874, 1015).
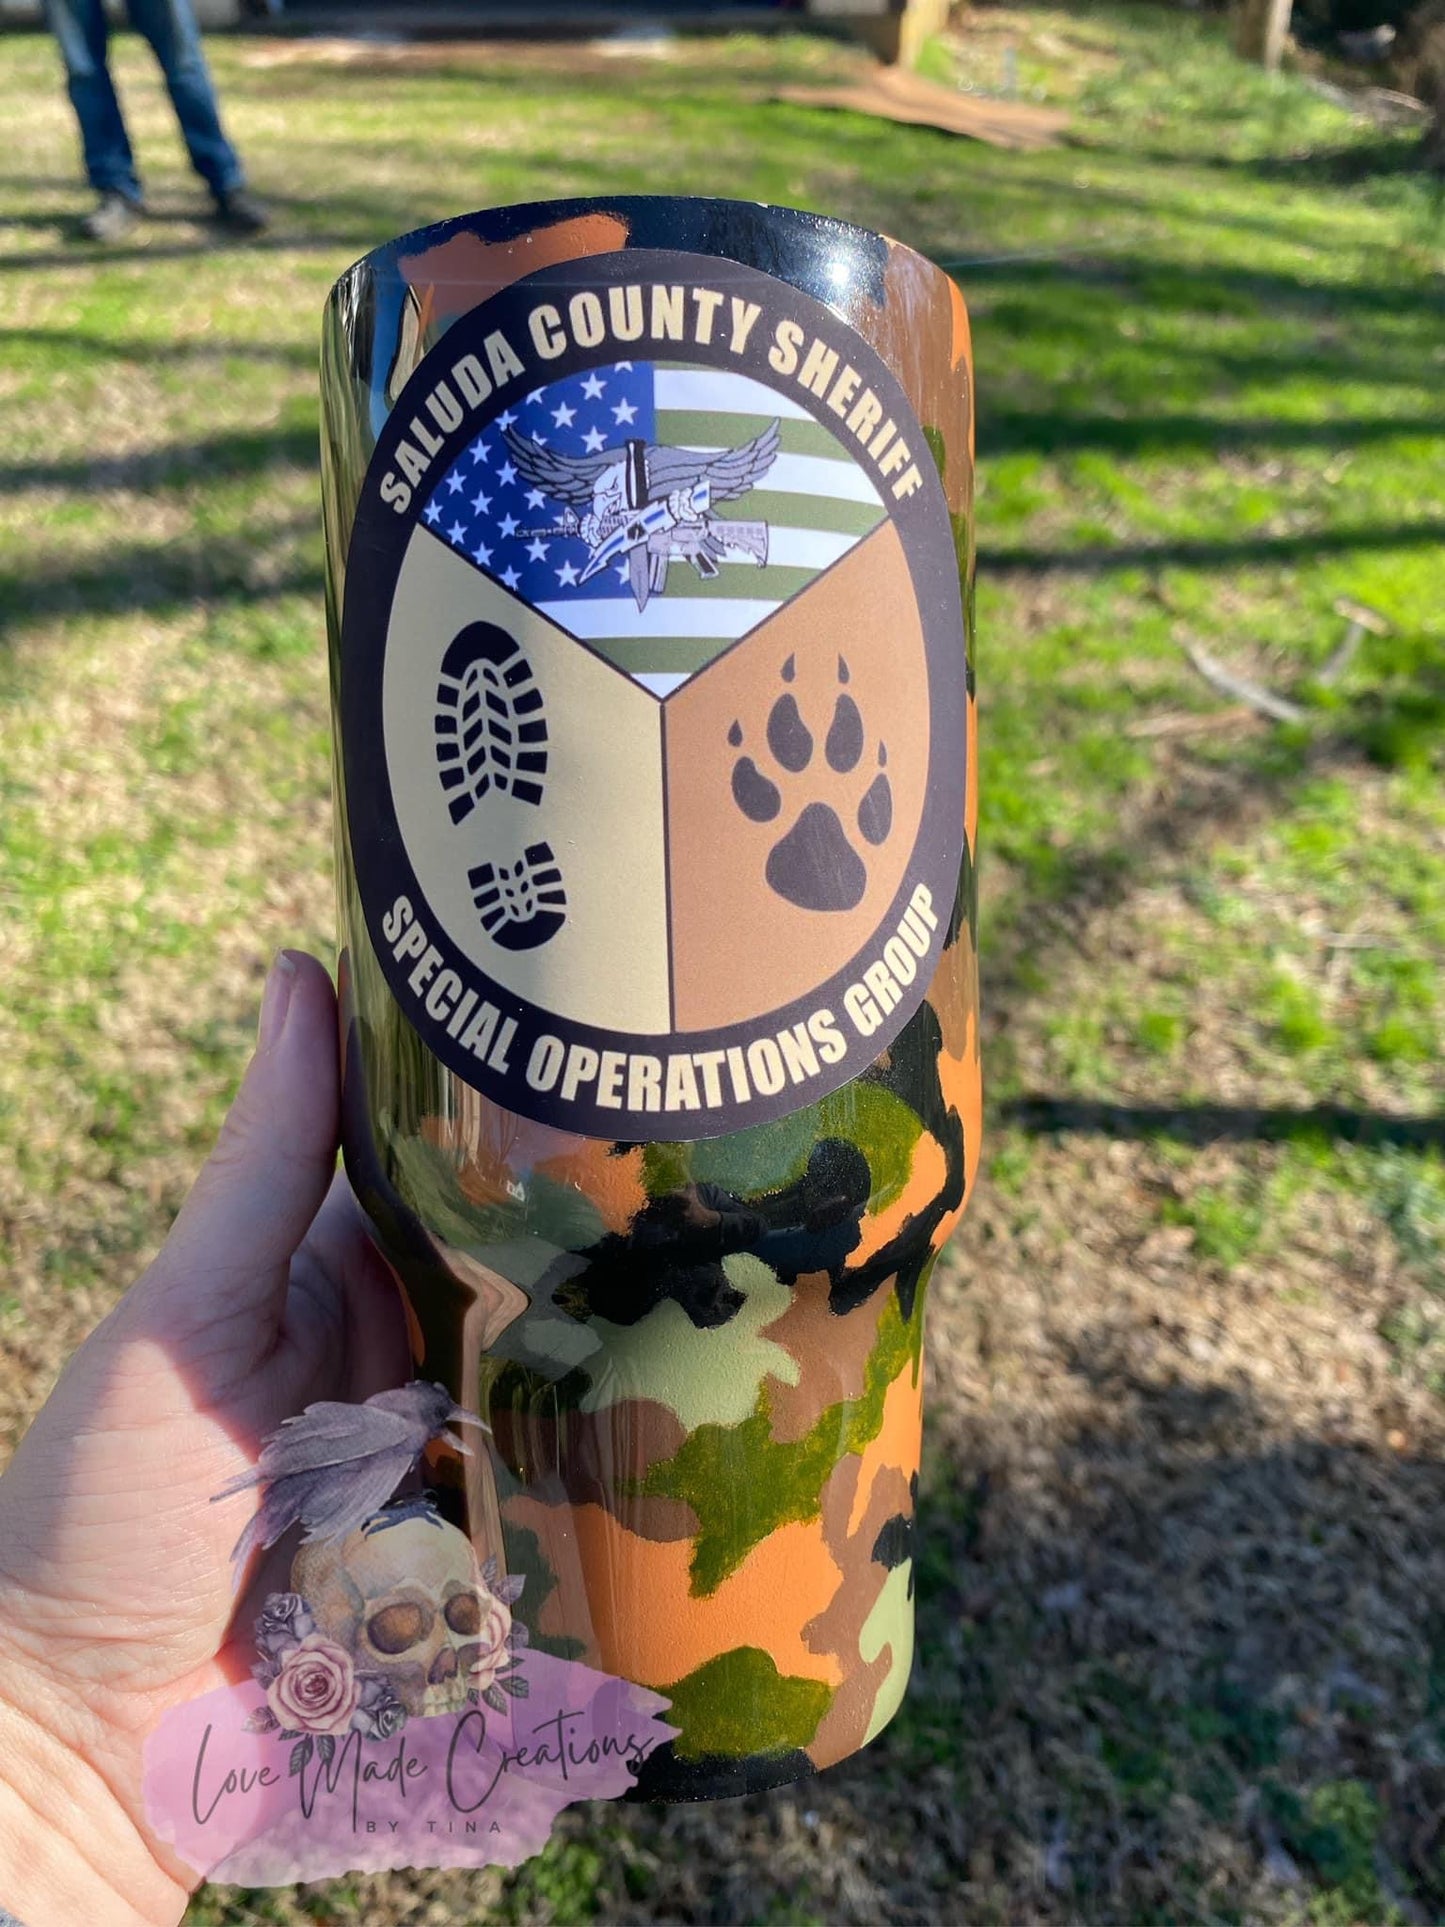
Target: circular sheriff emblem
(653, 699)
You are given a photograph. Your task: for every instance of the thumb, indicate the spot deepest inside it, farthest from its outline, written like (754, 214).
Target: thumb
(230, 1248)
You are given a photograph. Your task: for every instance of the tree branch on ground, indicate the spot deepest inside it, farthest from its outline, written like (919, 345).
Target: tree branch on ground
(1252, 694)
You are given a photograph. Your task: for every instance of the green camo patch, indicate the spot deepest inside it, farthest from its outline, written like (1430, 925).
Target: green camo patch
(743, 1483)
(740, 1703)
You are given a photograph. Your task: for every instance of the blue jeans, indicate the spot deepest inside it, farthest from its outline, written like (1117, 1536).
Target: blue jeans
(170, 27)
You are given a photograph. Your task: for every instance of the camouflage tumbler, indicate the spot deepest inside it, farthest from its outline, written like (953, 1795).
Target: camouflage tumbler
(649, 543)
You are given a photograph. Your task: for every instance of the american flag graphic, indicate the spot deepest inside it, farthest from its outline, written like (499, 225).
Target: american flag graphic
(814, 499)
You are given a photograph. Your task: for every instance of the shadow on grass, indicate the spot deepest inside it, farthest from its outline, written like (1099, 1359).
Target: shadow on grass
(1008, 431)
(1179, 1638)
(1198, 1124)
(1217, 551)
(1400, 154)
(213, 240)
(32, 183)
(1281, 224)
(1221, 287)
(69, 342)
(338, 222)
(1347, 163)
(225, 456)
(156, 578)
(47, 223)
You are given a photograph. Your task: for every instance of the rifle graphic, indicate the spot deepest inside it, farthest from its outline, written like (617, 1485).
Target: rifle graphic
(566, 524)
(644, 522)
(651, 536)
(701, 546)
(651, 549)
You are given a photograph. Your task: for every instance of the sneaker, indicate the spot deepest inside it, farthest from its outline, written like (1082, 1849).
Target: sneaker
(241, 212)
(112, 218)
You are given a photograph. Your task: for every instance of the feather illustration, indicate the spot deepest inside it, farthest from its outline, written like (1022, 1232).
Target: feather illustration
(332, 1466)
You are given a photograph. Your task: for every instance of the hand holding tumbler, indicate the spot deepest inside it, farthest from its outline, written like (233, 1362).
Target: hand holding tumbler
(649, 547)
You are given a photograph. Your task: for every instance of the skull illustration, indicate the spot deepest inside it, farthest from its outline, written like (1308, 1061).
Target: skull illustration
(407, 1601)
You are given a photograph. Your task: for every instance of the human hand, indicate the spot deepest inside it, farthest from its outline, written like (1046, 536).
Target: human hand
(115, 1575)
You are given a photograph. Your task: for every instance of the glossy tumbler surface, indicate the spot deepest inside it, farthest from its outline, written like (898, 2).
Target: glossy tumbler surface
(649, 545)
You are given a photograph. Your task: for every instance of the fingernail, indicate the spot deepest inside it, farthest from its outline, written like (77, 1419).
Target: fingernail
(276, 999)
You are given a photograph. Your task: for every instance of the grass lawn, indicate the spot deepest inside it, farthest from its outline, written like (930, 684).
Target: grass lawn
(1183, 1529)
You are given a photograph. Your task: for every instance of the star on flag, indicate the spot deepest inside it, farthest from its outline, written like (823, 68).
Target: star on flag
(519, 522)
(513, 528)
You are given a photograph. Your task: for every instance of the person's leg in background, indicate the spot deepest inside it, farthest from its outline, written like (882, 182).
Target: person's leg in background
(80, 29)
(175, 39)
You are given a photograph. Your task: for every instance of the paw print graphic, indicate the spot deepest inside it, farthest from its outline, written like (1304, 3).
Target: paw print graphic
(816, 863)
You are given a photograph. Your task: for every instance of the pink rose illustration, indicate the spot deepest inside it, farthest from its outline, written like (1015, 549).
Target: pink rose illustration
(485, 1655)
(316, 1690)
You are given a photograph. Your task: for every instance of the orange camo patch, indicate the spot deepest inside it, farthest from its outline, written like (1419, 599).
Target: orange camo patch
(898, 1444)
(921, 330)
(465, 270)
(962, 1084)
(635, 1596)
(925, 1180)
(614, 1185)
(954, 992)
(962, 346)
(862, 1492)
(845, 1724)
(833, 1352)
(962, 333)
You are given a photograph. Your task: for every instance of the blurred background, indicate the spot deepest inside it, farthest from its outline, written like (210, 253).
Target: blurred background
(1181, 1579)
